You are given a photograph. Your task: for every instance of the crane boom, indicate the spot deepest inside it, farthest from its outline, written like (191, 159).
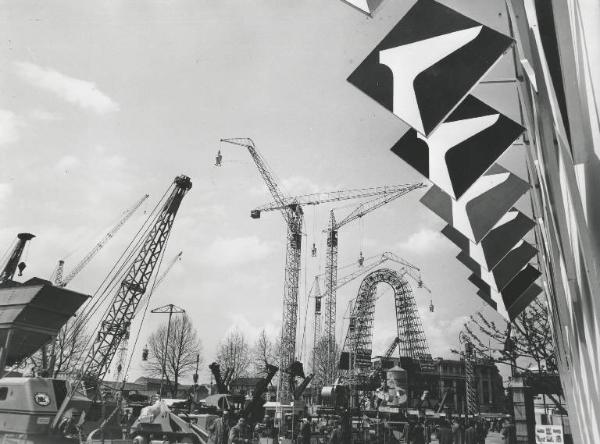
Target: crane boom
(13, 261)
(62, 282)
(265, 172)
(294, 217)
(122, 355)
(115, 324)
(335, 196)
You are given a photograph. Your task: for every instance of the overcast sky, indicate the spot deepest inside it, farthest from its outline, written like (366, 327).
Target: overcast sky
(102, 102)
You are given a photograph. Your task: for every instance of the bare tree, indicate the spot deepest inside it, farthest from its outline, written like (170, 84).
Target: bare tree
(64, 354)
(264, 353)
(233, 354)
(527, 340)
(319, 361)
(178, 354)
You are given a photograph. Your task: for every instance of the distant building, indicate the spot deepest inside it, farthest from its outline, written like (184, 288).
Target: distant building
(151, 386)
(449, 374)
(244, 385)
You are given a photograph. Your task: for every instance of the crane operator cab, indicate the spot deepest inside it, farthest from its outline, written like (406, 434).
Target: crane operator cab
(218, 159)
(28, 407)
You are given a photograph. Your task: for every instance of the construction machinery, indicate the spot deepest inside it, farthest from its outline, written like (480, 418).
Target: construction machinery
(331, 267)
(14, 261)
(61, 280)
(367, 265)
(412, 342)
(63, 409)
(291, 208)
(123, 348)
(468, 354)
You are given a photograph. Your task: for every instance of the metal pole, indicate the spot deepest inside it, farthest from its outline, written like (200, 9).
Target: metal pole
(170, 309)
(164, 366)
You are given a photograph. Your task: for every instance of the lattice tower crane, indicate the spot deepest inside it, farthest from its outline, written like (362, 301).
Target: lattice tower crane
(62, 282)
(331, 266)
(470, 380)
(291, 209)
(123, 306)
(14, 259)
(122, 354)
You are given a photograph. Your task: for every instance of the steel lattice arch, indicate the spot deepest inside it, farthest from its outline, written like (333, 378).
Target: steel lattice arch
(359, 338)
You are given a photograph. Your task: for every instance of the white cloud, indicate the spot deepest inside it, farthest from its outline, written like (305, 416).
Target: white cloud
(6, 190)
(9, 127)
(423, 241)
(83, 93)
(44, 116)
(67, 163)
(235, 251)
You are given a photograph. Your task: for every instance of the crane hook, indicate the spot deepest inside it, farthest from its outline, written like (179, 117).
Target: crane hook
(21, 266)
(218, 159)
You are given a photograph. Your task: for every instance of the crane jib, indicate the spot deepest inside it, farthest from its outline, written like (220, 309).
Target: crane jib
(126, 300)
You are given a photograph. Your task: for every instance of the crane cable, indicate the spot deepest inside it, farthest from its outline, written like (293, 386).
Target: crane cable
(103, 296)
(114, 277)
(7, 253)
(137, 335)
(306, 298)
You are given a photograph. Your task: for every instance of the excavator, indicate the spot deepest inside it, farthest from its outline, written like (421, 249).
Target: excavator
(36, 410)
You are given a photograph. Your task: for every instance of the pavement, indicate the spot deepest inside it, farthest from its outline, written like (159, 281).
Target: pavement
(492, 438)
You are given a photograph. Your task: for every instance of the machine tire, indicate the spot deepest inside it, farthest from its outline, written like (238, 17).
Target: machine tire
(139, 439)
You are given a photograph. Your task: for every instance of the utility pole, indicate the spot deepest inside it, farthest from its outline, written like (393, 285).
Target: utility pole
(170, 309)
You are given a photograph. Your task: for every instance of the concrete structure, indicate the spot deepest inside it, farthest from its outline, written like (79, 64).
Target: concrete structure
(558, 71)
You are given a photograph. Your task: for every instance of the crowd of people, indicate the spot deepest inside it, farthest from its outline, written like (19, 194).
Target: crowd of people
(456, 430)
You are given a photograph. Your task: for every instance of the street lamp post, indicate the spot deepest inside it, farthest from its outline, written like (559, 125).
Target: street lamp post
(170, 309)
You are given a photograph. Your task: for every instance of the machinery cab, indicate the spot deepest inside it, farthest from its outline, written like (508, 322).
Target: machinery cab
(28, 405)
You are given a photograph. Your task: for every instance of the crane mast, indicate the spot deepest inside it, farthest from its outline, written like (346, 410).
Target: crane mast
(115, 324)
(293, 216)
(13, 261)
(62, 282)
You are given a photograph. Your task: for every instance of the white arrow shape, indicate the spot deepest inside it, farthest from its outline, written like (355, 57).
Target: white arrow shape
(360, 4)
(459, 211)
(408, 61)
(446, 137)
(476, 250)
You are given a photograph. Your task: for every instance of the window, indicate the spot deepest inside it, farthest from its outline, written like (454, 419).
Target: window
(3, 393)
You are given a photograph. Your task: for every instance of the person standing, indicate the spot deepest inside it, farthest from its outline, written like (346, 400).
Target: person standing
(237, 434)
(445, 433)
(305, 432)
(471, 434)
(336, 435)
(219, 430)
(509, 432)
(417, 434)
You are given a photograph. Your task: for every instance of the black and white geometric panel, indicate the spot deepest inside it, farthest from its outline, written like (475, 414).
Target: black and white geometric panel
(516, 296)
(428, 63)
(462, 148)
(482, 206)
(506, 269)
(509, 230)
(366, 6)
